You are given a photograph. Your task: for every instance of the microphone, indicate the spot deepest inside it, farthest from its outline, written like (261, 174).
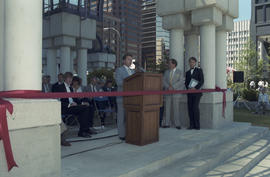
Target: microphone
(138, 67)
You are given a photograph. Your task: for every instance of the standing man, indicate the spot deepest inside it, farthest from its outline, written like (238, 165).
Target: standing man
(194, 81)
(173, 80)
(120, 74)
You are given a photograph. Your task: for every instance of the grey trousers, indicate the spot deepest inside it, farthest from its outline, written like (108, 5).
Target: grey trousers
(172, 111)
(121, 121)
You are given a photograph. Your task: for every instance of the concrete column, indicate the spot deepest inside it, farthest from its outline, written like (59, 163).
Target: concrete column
(2, 45)
(52, 65)
(65, 59)
(82, 65)
(23, 45)
(191, 49)
(221, 75)
(177, 47)
(208, 54)
(72, 57)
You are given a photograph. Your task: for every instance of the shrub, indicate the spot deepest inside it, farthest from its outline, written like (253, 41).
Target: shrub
(104, 74)
(250, 94)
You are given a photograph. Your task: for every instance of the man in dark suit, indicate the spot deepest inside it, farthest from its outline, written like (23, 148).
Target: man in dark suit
(194, 81)
(74, 106)
(59, 82)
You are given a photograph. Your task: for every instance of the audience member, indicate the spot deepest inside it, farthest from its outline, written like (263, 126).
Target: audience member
(59, 82)
(74, 106)
(46, 86)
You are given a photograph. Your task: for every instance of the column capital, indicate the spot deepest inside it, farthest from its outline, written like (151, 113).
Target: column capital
(227, 24)
(84, 43)
(195, 30)
(177, 21)
(208, 15)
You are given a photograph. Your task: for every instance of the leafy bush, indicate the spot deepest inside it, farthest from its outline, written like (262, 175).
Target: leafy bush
(103, 74)
(250, 94)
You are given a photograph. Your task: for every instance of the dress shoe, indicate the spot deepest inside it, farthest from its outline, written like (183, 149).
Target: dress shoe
(165, 126)
(122, 138)
(92, 132)
(84, 135)
(65, 143)
(178, 127)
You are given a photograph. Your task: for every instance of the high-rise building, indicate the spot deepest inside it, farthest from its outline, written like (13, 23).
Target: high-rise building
(260, 31)
(120, 30)
(155, 40)
(237, 40)
(129, 12)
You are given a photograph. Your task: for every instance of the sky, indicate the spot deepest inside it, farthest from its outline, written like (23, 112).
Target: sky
(244, 10)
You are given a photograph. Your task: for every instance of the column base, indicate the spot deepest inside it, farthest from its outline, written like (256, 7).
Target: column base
(35, 138)
(210, 110)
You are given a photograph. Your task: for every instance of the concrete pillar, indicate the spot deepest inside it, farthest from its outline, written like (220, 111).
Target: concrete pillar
(82, 65)
(2, 45)
(72, 57)
(52, 65)
(177, 47)
(221, 75)
(208, 54)
(65, 59)
(23, 45)
(191, 48)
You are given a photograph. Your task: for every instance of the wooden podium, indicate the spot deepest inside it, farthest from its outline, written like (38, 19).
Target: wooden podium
(142, 112)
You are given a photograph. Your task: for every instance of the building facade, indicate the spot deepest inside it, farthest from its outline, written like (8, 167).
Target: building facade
(155, 40)
(260, 31)
(237, 41)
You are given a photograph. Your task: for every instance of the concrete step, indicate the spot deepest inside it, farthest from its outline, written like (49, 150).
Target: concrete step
(262, 169)
(199, 163)
(239, 164)
(199, 143)
(130, 160)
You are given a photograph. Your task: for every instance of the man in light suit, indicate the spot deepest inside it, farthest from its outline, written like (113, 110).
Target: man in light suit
(172, 80)
(120, 74)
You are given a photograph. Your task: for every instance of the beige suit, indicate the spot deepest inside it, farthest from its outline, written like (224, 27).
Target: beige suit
(172, 102)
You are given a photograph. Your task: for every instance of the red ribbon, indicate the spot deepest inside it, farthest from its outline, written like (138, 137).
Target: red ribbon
(4, 134)
(33, 94)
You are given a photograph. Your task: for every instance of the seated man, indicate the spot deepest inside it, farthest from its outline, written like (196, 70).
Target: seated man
(77, 88)
(73, 106)
(263, 101)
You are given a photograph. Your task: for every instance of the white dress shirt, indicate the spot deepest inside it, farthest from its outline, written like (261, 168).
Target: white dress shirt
(68, 90)
(192, 70)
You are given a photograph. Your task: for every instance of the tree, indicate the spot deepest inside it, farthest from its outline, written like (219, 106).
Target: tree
(248, 62)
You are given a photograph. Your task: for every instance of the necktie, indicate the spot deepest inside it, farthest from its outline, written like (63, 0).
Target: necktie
(171, 77)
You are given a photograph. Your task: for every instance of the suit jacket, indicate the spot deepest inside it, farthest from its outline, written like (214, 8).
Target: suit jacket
(197, 75)
(65, 101)
(49, 87)
(120, 74)
(54, 86)
(177, 80)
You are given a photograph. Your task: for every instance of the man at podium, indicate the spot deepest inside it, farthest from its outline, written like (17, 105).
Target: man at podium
(120, 74)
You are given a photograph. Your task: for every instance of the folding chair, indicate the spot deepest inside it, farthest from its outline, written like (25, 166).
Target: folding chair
(102, 106)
